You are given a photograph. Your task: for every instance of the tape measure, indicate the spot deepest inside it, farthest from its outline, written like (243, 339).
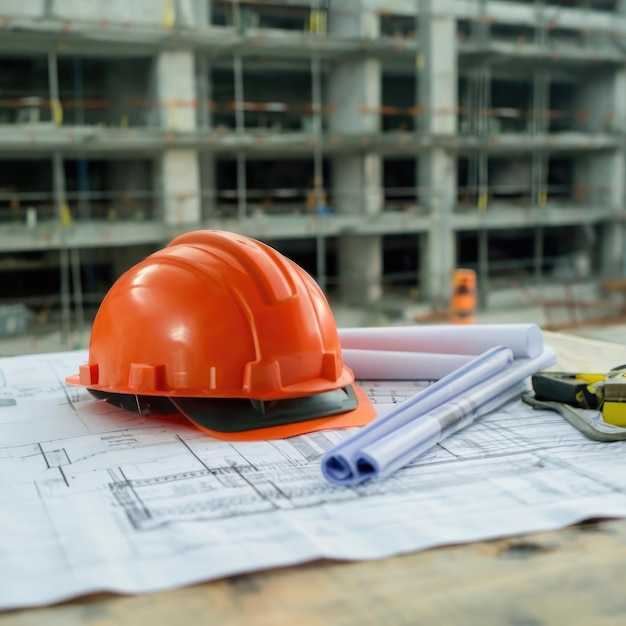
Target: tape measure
(603, 392)
(614, 389)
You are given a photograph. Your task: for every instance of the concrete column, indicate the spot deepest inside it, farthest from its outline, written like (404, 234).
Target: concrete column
(360, 260)
(437, 173)
(603, 174)
(357, 18)
(354, 85)
(193, 12)
(619, 101)
(607, 172)
(438, 62)
(181, 187)
(357, 184)
(596, 96)
(612, 250)
(176, 89)
(176, 93)
(437, 177)
(618, 196)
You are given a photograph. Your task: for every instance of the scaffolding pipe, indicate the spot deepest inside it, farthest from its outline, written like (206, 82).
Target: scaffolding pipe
(318, 170)
(205, 122)
(538, 255)
(64, 272)
(79, 92)
(540, 24)
(82, 163)
(479, 98)
(53, 84)
(483, 268)
(60, 206)
(539, 125)
(78, 291)
(480, 26)
(59, 185)
(242, 208)
(58, 176)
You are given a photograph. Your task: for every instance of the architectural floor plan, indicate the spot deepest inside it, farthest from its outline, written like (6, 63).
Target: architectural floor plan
(94, 498)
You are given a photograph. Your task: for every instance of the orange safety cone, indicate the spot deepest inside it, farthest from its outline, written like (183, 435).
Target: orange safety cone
(463, 301)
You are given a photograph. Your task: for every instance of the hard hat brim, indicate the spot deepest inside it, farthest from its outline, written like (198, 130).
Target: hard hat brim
(359, 416)
(244, 420)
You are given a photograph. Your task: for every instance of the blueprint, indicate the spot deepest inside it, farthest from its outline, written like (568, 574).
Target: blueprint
(97, 499)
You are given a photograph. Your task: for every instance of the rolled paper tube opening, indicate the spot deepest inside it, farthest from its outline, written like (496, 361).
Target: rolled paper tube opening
(366, 468)
(534, 342)
(336, 469)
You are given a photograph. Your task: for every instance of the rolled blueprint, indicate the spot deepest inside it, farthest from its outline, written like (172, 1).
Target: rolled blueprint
(411, 430)
(339, 464)
(395, 365)
(524, 340)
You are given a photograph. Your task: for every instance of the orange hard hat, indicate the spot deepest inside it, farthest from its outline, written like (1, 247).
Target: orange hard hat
(227, 331)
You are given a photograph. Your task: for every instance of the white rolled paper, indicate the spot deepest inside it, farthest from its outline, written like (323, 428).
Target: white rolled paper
(524, 340)
(420, 422)
(394, 365)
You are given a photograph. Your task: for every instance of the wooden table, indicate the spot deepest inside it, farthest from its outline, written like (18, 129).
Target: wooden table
(576, 575)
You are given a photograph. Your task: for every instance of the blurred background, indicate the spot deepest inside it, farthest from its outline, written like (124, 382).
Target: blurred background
(380, 144)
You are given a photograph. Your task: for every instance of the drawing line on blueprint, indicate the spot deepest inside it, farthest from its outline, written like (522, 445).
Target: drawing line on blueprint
(245, 489)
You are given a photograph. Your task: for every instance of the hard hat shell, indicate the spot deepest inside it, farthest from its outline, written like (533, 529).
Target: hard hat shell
(215, 314)
(227, 331)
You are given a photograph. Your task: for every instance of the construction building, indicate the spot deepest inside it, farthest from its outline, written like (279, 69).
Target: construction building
(379, 143)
